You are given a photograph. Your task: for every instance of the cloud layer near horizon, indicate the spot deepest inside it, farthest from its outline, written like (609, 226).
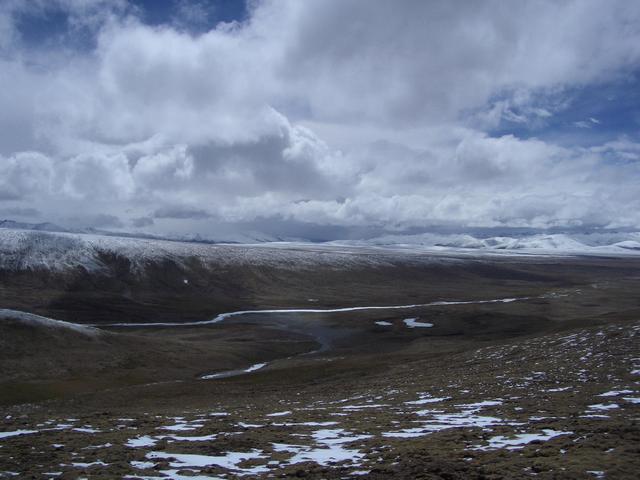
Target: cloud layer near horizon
(348, 113)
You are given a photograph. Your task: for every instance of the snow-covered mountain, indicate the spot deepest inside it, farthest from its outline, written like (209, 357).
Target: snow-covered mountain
(600, 243)
(228, 237)
(28, 249)
(22, 249)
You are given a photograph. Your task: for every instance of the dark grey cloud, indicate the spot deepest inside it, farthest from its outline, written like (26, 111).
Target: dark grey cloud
(181, 213)
(141, 222)
(20, 212)
(99, 220)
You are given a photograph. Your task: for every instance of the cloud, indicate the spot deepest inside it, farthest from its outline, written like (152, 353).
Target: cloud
(385, 122)
(89, 176)
(20, 212)
(24, 175)
(181, 212)
(142, 222)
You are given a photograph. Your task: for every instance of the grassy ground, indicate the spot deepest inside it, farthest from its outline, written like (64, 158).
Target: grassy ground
(456, 400)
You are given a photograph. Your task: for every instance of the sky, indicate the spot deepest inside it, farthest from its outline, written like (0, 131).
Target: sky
(320, 119)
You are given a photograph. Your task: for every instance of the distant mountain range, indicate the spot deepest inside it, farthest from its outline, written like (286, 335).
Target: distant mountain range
(604, 242)
(246, 237)
(598, 242)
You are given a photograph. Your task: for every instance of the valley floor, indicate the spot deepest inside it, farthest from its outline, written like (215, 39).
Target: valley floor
(564, 405)
(544, 386)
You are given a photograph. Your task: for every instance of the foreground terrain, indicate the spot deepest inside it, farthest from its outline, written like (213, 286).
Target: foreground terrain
(485, 367)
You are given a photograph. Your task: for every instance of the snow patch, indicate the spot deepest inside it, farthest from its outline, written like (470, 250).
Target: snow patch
(520, 440)
(229, 460)
(16, 433)
(413, 323)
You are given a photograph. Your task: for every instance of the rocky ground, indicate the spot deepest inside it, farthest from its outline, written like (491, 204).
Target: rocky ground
(543, 383)
(564, 405)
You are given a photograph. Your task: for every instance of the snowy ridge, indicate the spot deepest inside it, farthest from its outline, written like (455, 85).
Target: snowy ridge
(28, 249)
(24, 318)
(32, 249)
(603, 243)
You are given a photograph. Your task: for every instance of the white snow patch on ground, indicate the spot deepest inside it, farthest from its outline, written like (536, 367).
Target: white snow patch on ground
(182, 438)
(382, 323)
(90, 464)
(615, 393)
(229, 460)
(426, 400)
(436, 420)
(604, 407)
(559, 389)
(360, 407)
(597, 473)
(16, 433)
(142, 465)
(182, 427)
(478, 405)
(413, 323)
(305, 424)
(85, 430)
(249, 425)
(144, 441)
(234, 373)
(279, 414)
(255, 367)
(520, 440)
(330, 448)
